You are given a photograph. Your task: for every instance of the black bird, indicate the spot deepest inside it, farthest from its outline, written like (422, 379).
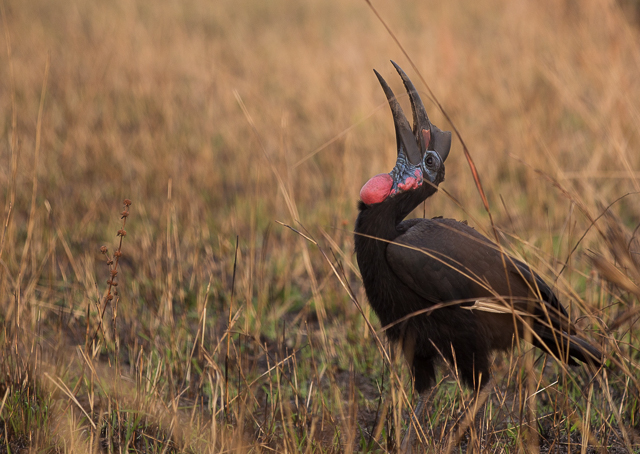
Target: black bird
(480, 297)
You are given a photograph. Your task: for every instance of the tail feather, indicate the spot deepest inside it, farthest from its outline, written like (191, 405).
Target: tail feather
(568, 347)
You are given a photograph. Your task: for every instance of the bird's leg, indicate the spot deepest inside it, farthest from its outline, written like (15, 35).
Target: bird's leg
(410, 436)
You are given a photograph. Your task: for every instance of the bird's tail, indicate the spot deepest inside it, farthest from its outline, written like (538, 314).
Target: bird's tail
(567, 347)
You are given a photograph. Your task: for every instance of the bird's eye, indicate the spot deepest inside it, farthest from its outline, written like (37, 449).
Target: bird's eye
(430, 161)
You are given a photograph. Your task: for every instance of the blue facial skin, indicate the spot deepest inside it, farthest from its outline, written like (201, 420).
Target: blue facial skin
(407, 176)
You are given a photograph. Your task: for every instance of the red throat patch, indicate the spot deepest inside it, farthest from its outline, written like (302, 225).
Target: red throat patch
(376, 189)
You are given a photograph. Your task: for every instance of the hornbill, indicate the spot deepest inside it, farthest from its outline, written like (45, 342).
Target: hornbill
(443, 290)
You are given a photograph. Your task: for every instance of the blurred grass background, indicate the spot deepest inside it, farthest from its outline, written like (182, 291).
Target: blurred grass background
(143, 102)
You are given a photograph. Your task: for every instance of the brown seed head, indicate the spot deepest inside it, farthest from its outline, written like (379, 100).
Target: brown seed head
(114, 273)
(127, 202)
(109, 262)
(122, 232)
(124, 214)
(109, 297)
(117, 254)
(103, 249)
(110, 282)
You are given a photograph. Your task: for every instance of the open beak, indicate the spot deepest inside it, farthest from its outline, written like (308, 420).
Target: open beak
(413, 143)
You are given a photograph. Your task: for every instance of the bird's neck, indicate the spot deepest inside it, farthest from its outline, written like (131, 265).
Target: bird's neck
(376, 223)
(377, 226)
(381, 220)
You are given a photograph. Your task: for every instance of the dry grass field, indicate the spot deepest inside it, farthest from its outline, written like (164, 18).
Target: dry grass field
(223, 120)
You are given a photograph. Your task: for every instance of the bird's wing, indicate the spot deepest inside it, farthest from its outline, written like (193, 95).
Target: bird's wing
(444, 260)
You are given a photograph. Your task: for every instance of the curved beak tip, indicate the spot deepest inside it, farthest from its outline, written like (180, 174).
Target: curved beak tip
(414, 141)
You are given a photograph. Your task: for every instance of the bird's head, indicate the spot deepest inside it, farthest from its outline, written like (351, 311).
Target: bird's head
(421, 152)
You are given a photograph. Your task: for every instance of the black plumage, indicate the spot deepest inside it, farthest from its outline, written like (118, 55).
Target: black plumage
(476, 297)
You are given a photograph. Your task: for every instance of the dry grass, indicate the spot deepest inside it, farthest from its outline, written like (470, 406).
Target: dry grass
(228, 331)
